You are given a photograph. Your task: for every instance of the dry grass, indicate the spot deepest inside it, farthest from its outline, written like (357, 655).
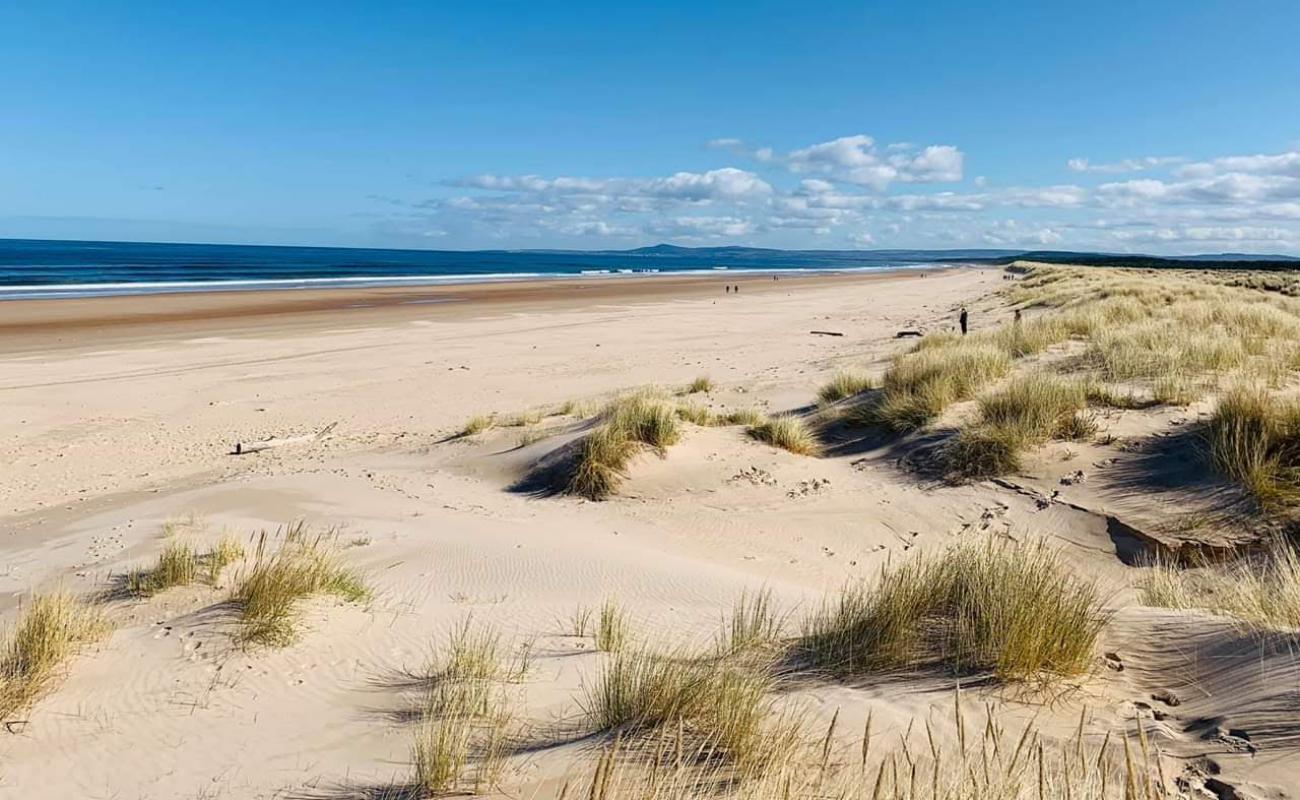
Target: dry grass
(724, 709)
(50, 630)
(178, 565)
(1254, 439)
(1262, 590)
(843, 384)
(269, 595)
(646, 418)
(1016, 610)
(600, 465)
(919, 385)
(749, 417)
(988, 762)
(701, 384)
(755, 622)
(478, 423)
(1024, 413)
(697, 414)
(788, 433)
(465, 734)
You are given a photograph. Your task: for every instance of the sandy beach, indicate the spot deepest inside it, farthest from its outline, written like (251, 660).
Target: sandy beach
(119, 420)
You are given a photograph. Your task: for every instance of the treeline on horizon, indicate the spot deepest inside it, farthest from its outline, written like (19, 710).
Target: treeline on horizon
(1149, 262)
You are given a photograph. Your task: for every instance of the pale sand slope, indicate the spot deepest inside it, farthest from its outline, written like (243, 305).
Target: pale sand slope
(106, 446)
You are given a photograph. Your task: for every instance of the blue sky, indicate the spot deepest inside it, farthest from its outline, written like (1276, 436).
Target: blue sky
(1154, 126)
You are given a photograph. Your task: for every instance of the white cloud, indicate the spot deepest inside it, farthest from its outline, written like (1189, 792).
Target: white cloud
(1126, 165)
(856, 160)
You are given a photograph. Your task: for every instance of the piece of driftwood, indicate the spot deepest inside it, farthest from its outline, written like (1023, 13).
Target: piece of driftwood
(244, 448)
(826, 333)
(907, 334)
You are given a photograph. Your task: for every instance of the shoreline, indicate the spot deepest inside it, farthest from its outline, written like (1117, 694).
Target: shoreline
(42, 324)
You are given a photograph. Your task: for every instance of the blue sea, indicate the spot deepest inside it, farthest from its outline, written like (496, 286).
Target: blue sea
(32, 269)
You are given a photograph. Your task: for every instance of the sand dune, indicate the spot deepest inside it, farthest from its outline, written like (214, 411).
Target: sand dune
(109, 440)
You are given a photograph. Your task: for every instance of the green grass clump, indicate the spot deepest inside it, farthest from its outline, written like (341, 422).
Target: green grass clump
(1254, 439)
(755, 622)
(788, 433)
(845, 384)
(611, 627)
(50, 630)
(269, 594)
(1018, 611)
(228, 551)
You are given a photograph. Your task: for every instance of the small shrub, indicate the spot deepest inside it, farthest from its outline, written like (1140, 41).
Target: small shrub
(788, 433)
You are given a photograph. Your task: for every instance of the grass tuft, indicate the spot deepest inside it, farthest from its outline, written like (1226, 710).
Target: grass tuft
(701, 384)
(1254, 439)
(178, 565)
(845, 384)
(1025, 413)
(788, 433)
(51, 629)
(478, 423)
(1016, 610)
(269, 594)
(611, 627)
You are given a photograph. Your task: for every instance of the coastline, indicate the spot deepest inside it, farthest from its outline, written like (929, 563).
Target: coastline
(41, 324)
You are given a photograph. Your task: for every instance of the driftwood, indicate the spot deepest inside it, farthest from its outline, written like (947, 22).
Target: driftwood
(826, 333)
(244, 448)
(907, 334)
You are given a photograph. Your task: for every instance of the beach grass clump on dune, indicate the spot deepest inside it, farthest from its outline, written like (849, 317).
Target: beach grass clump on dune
(1018, 611)
(51, 629)
(919, 385)
(464, 736)
(478, 423)
(845, 383)
(1025, 413)
(1260, 589)
(1254, 439)
(269, 594)
(701, 384)
(749, 417)
(789, 433)
(611, 627)
(697, 414)
(178, 565)
(725, 709)
(755, 622)
(600, 464)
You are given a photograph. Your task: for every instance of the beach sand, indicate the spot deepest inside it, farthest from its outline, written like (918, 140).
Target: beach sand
(120, 414)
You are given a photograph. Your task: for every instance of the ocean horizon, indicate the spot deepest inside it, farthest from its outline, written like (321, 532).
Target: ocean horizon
(48, 269)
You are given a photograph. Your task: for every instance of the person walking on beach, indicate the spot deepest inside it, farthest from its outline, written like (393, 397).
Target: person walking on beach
(1016, 321)
(961, 320)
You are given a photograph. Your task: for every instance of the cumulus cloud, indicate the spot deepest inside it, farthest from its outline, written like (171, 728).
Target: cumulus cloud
(857, 160)
(854, 191)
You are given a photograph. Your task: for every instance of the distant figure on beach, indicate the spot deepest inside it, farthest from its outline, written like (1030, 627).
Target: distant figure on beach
(961, 320)
(1017, 318)
(736, 289)
(728, 288)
